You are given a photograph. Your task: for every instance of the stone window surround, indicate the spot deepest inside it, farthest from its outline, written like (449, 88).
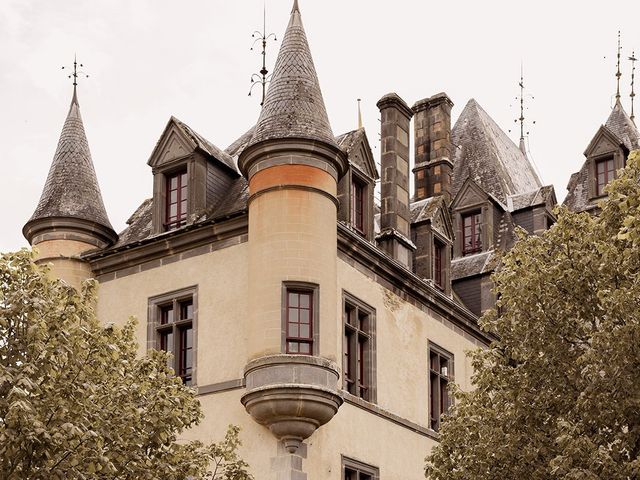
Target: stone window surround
(433, 347)
(314, 289)
(359, 467)
(153, 320)
(370, 363)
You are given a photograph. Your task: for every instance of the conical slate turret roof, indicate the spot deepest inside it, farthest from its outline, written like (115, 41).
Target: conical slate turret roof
(622, 127)
(293, 107)
(71, 189)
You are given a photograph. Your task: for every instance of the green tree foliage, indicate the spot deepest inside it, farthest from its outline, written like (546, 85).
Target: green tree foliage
(77, 402)
(558, 396)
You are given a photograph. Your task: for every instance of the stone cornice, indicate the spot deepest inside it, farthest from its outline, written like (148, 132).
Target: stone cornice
(407, 285)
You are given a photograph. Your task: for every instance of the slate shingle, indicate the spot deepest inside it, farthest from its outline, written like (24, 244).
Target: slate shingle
(71, 189)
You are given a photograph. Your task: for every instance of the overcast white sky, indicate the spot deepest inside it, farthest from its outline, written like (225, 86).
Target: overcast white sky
(150, 59)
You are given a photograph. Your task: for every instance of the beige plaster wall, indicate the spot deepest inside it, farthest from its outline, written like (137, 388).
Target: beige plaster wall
(402, 335)
(402, 330)
(222, 317)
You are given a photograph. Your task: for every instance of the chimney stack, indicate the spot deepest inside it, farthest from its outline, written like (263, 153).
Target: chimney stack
(395, 233)
(434, 150)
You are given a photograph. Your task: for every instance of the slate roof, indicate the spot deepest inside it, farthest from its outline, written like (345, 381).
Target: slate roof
(206, 146)
(470, 265)
(488, 156)
(235, 200)
(529, 199)
(623, 127)
(424, 209)
(71, 189)
(294, 107)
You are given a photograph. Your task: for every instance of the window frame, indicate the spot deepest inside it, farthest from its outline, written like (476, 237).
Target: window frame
(359, 468)
(301, 287)
(474, 235)
(181, 216)
(156, 329)
(350, 340)
(608, 159)
(366, 184)
(434, 422)
(357, 215)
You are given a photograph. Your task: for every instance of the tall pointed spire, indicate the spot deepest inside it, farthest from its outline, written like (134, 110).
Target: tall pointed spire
(294, 107)
(71, 191)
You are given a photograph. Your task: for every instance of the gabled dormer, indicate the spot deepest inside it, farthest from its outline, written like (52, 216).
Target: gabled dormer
(605, 155)
(476, 220)
(190, 175)
(432, 234)
(356, 187)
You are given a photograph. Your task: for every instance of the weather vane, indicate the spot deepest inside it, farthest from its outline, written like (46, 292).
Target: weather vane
(262, 79)
(633, 74)
(76, 73)
(618, 73)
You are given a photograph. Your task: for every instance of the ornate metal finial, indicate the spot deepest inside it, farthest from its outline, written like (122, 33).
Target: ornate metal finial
(618, 73)
(76, 73)
(359, 115)
(295, 8)
(633, 74)
(263, 78)
(521, 118)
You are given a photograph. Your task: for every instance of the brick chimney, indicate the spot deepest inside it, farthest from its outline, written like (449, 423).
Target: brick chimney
(394, 235)
(434, 150)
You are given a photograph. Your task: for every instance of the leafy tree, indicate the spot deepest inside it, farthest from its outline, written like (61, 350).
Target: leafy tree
(76, 402)
(558, 395)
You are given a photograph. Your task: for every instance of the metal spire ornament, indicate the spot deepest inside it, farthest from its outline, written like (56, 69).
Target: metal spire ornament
(359, 115)
(633, 74)
(618, 73)
(75, 74)
(262, 78)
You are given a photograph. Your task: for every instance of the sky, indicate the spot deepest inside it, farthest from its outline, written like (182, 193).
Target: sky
(150, 59)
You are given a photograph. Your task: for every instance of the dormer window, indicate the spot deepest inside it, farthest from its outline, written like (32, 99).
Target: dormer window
(177, 194)
(358, 205)
(472, 233)
(605, 172)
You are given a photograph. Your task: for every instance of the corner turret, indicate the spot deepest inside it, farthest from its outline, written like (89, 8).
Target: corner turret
(70, 218)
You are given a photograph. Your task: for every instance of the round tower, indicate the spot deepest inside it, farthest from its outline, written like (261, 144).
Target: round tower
(70, 218)
(293, 165)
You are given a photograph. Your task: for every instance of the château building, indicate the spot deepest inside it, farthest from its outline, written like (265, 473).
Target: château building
(327, 326)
